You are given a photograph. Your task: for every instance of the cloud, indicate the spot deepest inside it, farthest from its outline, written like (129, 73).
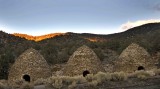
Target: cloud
(157, 7)
(129, 24)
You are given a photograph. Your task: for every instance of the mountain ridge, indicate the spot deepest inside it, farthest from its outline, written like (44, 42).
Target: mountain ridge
(90, 36)
(37, 38)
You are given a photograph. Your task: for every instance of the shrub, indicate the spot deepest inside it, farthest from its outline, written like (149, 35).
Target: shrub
(26, 85)
(3, 86)
(141, 74)
(157, 71)
(73, 85)
(57, 82)
(79, 79)
(152, 72)
(67, 80)
(119, 76)
(89, 77)
(40, 81)
(93, 83)
(18, 83)
(60, 81)
(98, 78)
(101, 77)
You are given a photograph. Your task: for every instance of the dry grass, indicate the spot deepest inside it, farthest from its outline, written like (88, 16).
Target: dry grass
(73, 85)
(89, 77)
(40, 81)
(93, 83)
(157, 71)
(3, 85)
(119, 76)
(71, 82)
(101, 77)
(142, 74)
(21, 84)
(57, 82)
(60, 81)
(17, 83)
(26, 85)
(89, 80)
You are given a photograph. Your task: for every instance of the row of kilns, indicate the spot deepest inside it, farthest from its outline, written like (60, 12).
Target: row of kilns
(31, 65)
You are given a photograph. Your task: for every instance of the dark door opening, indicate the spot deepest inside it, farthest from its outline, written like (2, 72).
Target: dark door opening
(141, 68)
(26, 78)
(85, 73)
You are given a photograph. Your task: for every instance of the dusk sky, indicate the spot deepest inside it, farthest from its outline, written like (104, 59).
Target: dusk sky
(38, 17)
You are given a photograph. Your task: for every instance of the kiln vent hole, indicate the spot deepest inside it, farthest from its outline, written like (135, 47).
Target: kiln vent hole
(141, 68)
(85, 73)
(26, 78)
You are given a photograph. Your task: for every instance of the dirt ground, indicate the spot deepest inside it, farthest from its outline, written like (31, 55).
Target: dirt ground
(133, 83)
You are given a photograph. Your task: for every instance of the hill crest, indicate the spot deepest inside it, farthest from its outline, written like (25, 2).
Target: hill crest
(94, 37)
(37, 38)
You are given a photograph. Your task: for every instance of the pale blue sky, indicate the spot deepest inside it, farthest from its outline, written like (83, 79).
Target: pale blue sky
(37, 17)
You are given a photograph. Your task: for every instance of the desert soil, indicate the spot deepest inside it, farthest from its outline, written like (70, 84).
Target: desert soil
(132, 83)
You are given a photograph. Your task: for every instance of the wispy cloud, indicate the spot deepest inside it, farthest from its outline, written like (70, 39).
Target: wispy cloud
(129, 24)
(157, 7)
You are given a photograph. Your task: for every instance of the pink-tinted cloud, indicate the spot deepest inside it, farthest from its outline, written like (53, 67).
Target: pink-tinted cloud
(129, 24)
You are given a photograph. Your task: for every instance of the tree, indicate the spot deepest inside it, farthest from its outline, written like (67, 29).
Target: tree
(5, 61)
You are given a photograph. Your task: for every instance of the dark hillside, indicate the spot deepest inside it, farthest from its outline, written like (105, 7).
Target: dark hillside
(59, 48)
(10, 48)
(146, 35)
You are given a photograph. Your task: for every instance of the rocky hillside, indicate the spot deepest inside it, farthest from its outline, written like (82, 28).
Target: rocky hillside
(58, 48)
